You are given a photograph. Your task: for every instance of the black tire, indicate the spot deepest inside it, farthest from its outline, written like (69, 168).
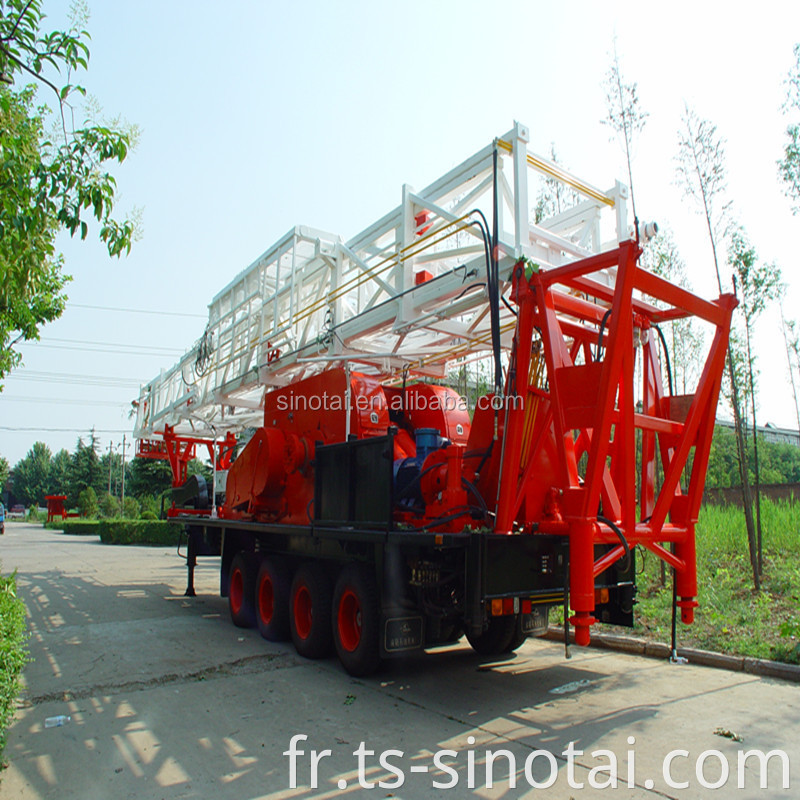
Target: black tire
(356, 620)
(310, 612)
(241, 590)
(519, 636)
(494, 641)
(272, 599)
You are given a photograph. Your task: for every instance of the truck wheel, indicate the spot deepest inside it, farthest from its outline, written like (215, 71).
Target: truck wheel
(518, 637)
(272, 593)
(241, 591)
(496, 638)
(356, 620)
(310, 614)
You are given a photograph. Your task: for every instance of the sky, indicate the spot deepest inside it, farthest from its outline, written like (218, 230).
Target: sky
(267, 114)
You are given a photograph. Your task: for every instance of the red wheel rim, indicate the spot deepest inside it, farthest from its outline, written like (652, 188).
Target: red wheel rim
(348, 621)
(237, 591)
(302, 611)
(266, 600)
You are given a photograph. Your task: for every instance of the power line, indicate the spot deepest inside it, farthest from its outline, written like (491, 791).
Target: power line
(166, 350)
(82, 380)
(100, 349)
(137, 311)
(62, 430)
(61, 401)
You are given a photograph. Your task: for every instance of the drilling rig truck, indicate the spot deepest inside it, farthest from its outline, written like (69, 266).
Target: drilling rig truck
(361, 504)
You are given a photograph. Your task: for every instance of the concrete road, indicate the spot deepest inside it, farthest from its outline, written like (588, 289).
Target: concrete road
(167, 699)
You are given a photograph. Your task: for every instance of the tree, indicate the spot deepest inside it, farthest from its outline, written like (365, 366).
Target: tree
(757, 284)
(31, 475)
(85, 470)
(131, 508)
(701, 170)
(791, 340)
(48, 183)
(108, 506)
(789, 165)
(149, 477)
(624, 116)
(87, 503)
(554, 197)
(684, 340)
(58, 476)
(4, 470)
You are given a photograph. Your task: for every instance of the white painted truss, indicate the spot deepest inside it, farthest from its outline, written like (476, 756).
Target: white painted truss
(408, 294)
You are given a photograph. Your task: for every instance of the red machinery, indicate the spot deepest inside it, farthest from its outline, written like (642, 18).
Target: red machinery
(179, 451)
(556, 454)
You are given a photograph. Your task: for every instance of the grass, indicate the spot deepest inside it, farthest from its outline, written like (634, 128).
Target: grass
(733, 617)
(13, 652)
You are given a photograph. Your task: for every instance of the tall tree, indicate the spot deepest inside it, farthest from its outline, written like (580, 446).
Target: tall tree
(149, 477)
(789, 165)
(47, 183)
(701, 170)
(553, 197)
(791, 340)
(757, 285)
(85, 471)
(625, 116)
(684, 340)
(31, 473)
(58, 477)
(4, 471)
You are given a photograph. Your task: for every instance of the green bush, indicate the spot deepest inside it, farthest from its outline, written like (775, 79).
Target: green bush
(149, 515)
(150, 504)
(80, 527)
(13, 652)
(55, 525)
(131, 508)
(109, 506)
(127, 531)
(87, 503)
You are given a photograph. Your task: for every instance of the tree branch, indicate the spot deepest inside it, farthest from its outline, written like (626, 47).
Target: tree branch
(19, 19)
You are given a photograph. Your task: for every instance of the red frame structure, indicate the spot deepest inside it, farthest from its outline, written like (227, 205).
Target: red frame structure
(588, 408)
(179, 451)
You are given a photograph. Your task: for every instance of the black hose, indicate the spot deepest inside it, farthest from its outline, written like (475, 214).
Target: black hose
(622, 539)
(666, 358)
(473, 489)
(601, 332)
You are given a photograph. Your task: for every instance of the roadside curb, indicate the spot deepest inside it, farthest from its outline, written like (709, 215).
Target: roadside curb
(705, 658)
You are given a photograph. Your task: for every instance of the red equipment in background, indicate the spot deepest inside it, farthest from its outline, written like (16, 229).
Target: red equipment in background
(179, 451)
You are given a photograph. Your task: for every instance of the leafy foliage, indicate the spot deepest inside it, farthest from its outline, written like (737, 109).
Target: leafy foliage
(149, 477)
(31, 475)
(683, 337)
(4, 471)
(13, 653)
(47, 184)
(125, 531)
(789, 165)
(87, 503)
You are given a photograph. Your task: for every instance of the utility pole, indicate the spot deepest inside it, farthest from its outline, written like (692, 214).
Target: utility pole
(122, 502)
(110, 446)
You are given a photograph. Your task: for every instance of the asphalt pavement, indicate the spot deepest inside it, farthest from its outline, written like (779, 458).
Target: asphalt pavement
(136, 691)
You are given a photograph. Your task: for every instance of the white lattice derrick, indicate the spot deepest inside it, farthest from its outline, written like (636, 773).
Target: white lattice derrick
(312, 300)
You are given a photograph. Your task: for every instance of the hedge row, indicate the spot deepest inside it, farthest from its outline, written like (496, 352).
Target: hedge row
(80, 527)
(138, 531)
(13, 653)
